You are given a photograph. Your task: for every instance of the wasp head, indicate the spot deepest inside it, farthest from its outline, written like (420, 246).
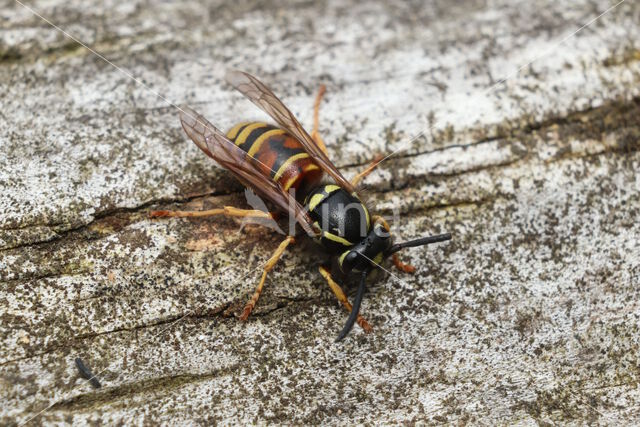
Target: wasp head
(369, 254)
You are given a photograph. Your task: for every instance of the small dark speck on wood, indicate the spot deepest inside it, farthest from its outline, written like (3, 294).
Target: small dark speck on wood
(86, 373)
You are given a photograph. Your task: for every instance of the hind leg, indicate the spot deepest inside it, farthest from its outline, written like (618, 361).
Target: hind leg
(316, 120)
(320, 143)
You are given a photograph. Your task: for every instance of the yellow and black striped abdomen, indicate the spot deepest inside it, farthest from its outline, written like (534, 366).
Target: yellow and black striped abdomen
(281, 156)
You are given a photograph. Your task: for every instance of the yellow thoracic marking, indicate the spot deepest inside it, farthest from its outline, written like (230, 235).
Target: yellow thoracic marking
(341, 259)
(319, 197)
(366, 213)
(335, 238)
(378, 258)
(315, 200)
(287, 163)
(234, 130)
(262, 138)
(330, 188)
(247, 131)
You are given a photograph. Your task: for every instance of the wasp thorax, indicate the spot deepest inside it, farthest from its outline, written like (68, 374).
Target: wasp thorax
(341, 216)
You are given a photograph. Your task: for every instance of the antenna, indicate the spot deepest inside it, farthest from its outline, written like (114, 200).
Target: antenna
(419, 242)
(356, 307)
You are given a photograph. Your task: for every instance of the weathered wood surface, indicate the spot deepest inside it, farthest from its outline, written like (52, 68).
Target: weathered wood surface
(529, 315)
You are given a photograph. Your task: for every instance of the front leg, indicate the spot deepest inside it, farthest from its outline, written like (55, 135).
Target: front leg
(339, 293)
(407, 268)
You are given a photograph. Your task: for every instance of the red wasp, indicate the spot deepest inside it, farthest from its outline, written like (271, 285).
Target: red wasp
(286, 166)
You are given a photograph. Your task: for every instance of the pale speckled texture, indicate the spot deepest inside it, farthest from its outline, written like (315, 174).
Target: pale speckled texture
(529, 316)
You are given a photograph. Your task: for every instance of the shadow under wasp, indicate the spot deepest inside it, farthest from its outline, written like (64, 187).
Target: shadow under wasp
(286, 166)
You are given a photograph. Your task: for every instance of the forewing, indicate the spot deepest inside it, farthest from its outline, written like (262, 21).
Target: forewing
(264, 98)
(217, 146)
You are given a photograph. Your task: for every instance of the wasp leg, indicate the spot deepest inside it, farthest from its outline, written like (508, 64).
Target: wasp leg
(407, 268)
(267, 267)
(227, 211)
(381, 220)
(339, 293)
(316, 114)
(360, 176)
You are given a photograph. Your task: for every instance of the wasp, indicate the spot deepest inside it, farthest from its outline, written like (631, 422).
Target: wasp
(287, 166)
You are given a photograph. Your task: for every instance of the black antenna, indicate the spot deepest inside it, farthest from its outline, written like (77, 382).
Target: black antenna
(419, 242)
(355, 309)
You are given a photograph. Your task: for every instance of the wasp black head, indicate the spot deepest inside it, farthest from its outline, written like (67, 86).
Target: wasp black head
(368, 253)
(348, 233)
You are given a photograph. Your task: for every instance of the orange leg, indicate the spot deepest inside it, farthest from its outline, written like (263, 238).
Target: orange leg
(381, 220)
(407, 268)
(374, 163)
(267, 267)
(339, 293)
(227, 211)
(316, 114)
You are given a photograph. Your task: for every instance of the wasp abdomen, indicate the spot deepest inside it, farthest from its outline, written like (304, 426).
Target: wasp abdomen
(280, 156)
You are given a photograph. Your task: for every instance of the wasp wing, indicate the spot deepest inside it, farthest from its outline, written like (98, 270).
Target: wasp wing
(247, 169)
(264, 98)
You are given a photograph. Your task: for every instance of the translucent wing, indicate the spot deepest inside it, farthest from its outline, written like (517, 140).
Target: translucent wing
(248, 170)
(264, 98)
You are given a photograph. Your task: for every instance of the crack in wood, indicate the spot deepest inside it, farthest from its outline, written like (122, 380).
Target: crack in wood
(107, 395)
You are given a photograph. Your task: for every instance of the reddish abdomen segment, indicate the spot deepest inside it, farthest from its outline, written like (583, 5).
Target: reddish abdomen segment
(281, 157)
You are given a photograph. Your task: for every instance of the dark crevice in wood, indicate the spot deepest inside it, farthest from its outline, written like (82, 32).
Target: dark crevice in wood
(108, 395)
(111, 212)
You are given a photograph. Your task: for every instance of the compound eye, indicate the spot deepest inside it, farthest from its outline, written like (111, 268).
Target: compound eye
(382, 232)
(348, 261)
(351, 257)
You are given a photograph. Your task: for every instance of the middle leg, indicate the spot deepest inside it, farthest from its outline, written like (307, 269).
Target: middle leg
(316, 121)
(248, 308)
(361, 175)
